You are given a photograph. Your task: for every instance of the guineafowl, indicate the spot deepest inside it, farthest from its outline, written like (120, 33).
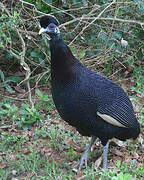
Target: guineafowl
(94, 105)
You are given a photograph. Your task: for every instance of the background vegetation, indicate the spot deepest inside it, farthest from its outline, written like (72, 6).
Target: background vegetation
(35, 143)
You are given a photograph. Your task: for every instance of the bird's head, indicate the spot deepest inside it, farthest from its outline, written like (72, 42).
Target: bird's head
(49, 25)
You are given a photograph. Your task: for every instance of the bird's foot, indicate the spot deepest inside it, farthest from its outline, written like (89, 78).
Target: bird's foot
(85, 155)
(83, 160)
(105, 167)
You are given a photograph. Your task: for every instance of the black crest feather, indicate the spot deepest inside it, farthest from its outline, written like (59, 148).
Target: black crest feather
(46, 20)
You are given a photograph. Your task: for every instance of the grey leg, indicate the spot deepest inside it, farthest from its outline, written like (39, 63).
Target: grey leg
(105, 154)
(85, 155)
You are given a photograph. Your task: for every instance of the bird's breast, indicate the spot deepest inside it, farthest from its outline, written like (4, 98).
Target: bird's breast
(74, 106)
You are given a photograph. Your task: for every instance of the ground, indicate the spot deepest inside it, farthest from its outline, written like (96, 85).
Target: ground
(51, 149)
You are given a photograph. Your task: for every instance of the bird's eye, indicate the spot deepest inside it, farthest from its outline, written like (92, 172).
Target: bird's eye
(51, 26)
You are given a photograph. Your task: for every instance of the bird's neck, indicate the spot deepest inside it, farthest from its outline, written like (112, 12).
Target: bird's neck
(62, 59)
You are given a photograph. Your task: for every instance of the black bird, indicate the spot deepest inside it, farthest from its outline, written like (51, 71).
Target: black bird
(94, 105)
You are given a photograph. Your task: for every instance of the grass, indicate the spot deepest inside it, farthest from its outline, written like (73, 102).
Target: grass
(48, 148)
(36, 143)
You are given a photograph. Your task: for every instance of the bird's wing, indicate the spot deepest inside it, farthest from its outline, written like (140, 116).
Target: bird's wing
(114, 105)
(120, 114)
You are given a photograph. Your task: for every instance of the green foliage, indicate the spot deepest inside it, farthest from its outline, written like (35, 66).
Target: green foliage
(98, 46)
(44, 102)
(100, 39)
(122, 176)
(80, 54)
(8, 111)
(7, 24)
(54, 134)
(113, 176)
(28, 116)
(138, 76)
(24, 118)
(7, 82)
(102, 36)
(12, 142)
(132, 169)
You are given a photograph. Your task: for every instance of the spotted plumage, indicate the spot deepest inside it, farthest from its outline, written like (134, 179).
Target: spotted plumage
(94, 105)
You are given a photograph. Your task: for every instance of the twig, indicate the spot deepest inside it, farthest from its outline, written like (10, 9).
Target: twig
(26, 68)
(111, 29)
(92, 21)
(16, 99)
(102, 18)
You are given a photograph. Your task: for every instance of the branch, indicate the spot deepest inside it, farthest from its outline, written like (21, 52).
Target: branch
(92, 21)
(26, 68)
(103, 18)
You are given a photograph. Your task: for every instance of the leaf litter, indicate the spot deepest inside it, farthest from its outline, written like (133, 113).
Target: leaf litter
(119, 151)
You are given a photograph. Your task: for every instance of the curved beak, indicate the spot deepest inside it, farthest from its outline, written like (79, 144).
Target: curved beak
(42, 30)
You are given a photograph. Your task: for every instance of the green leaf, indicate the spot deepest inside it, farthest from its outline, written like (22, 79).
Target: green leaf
(16, 14)
(39, 93)
(85, 3)
(81, 53)
(23, 112)
(2, 75)
(103, 36)
(8, 88)
(2, 112)
(7, 105)
(3, 16)
(41, 62)
(33, 54)
(117, 35)
(49, 1)
(13, 79)
(139, 53)
(64, 1)
(29, 121)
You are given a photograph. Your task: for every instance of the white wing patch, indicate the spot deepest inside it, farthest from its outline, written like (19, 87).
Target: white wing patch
(110, 120)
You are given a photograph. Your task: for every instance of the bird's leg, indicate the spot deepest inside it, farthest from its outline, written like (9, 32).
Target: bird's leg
(85, 155)
(105, 154)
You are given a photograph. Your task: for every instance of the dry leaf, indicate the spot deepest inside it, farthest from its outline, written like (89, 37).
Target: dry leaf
(1, 159)
(119, 143)
(68, 142)
(115, 159)
(127, 159)
(117, 152)
(79, 175)
(98, 162)
(136, 156)
(142, 155)
(12, 157)
(29, 175)
(19, 89)
(27, 152)
(140, 140)
(3, 165)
